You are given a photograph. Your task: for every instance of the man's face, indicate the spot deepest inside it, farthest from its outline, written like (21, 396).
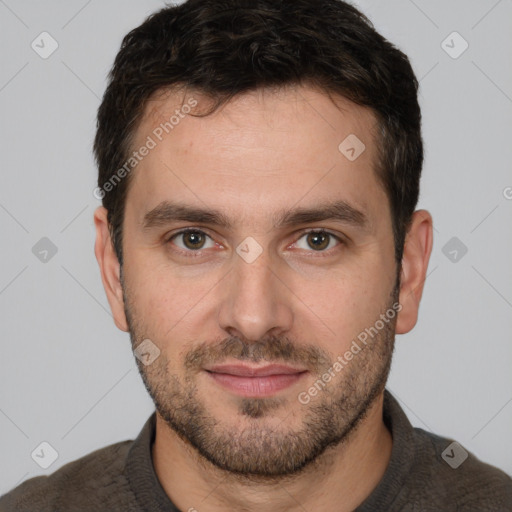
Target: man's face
(260, 291)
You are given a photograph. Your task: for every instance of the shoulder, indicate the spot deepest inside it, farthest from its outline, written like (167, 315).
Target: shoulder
(452, 475)
(88, 483)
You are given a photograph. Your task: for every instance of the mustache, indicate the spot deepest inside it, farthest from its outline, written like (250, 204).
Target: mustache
(272, 349)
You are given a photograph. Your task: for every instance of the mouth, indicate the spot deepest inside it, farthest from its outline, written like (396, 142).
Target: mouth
(256, 382)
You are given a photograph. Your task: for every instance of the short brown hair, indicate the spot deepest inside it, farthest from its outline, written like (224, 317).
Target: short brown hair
(225, 48)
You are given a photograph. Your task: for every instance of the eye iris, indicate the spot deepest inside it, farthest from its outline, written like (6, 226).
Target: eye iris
(196, 239)
(319, 240)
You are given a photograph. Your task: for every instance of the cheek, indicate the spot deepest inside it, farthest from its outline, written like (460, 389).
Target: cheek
(167, 299)
(344, 304)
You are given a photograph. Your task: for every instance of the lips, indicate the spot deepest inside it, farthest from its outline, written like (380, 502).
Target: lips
(256, 382)
(248, 371)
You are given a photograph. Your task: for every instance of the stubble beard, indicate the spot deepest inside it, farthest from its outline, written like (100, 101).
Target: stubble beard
(260, 451)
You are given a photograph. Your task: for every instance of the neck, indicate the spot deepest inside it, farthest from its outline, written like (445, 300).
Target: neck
(340, 479)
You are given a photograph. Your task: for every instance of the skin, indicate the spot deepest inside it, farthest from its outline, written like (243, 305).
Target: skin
(264, 152)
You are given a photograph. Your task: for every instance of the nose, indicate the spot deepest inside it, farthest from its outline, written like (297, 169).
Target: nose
(256, 301)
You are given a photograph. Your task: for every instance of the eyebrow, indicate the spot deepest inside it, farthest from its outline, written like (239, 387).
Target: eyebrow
(167, 212)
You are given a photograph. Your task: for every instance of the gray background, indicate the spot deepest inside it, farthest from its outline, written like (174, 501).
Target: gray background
(68, 376)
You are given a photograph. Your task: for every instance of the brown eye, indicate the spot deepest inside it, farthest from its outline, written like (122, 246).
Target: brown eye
(318, 240)
(191, 240)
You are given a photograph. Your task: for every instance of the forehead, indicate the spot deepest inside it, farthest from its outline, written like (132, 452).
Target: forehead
(264, 150)
(266, 110)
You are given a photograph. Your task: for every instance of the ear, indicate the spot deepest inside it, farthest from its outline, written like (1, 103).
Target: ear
(417, 249)
(109, 267)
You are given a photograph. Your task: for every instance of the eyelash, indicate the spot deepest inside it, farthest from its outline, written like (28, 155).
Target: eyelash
(198, 253)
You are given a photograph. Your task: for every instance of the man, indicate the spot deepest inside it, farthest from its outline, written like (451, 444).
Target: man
(259, 166)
